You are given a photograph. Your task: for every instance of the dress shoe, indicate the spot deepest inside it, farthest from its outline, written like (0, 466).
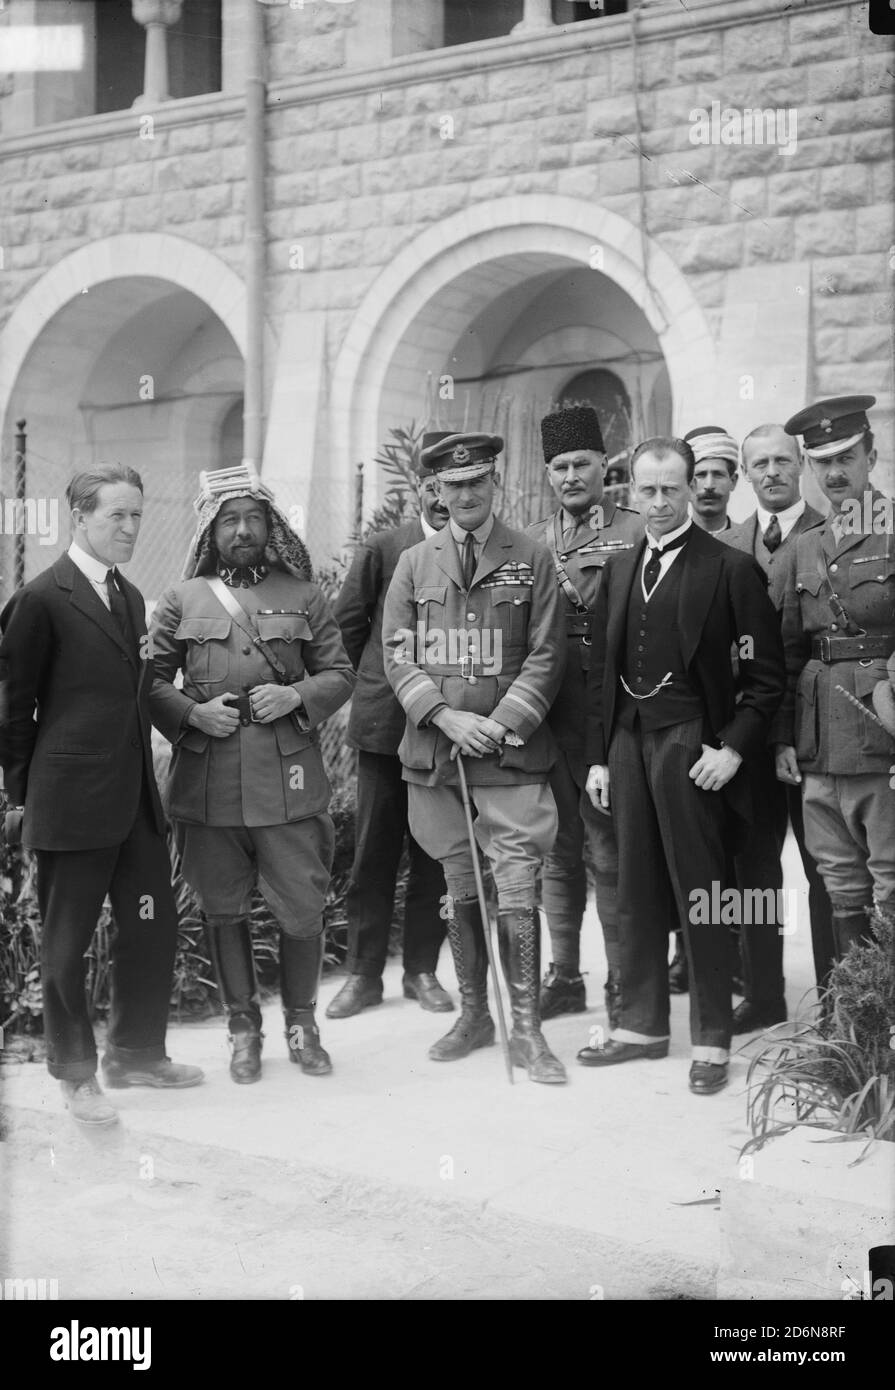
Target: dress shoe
(612, 1052)
(358, 992)
(751, 1018)
(87, 1103)
(164, 1073)
(708, 1077)
(245, 1056)
(678, 974)
(429, 992)
(561, 993)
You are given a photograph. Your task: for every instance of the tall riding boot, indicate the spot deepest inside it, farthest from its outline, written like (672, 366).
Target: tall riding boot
(851, 928)
(230, 951)
(475, 1027)
(519, 935)
(301, 960)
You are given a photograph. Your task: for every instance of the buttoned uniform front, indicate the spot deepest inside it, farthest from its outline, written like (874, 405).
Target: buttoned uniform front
(511, 616)
(582, 556)
(758, 866)
(843, 753)
(263, 776)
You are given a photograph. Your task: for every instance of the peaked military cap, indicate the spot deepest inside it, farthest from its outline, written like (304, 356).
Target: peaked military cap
(460, 457)
(832, 426)
(569, 428)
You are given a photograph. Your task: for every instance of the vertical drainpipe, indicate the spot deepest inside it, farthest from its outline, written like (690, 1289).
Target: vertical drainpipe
(253, 408)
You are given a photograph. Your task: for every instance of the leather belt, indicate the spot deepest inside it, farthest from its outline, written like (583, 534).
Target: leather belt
(852, 648)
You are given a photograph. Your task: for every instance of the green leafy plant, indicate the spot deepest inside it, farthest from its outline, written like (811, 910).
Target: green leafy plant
(837, 1072)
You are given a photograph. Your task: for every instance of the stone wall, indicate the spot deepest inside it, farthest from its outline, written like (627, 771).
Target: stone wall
(359, 166)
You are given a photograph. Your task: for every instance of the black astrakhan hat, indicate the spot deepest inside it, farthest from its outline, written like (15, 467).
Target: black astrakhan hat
(569, 428)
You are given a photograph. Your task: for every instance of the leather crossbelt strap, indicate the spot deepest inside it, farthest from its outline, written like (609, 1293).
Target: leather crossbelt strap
(852, 648)
(565, 582)
(245, 623)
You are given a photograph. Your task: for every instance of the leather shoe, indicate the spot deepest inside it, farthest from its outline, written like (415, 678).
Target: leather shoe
(428, 991)
(358, 992)
(708, 1077)
(87, 1103)
(164, 1074)
(751, 1018)
(245, 1056)
(612, 1052)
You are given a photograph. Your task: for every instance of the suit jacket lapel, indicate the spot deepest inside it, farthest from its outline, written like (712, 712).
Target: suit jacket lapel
(88, 602)
(697, 592)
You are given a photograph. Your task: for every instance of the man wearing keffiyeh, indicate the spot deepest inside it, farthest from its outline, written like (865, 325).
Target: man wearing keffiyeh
(263, 665)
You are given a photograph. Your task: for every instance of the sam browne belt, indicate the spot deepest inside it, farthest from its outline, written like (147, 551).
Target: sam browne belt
(831, 649)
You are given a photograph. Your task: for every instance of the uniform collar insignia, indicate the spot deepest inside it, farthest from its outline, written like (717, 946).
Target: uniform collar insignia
(242, 576)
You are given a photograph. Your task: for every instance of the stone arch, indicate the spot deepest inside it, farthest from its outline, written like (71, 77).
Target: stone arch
(154, 255)
(489, 247)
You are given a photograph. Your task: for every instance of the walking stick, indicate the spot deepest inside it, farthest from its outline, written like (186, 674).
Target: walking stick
(483, 909)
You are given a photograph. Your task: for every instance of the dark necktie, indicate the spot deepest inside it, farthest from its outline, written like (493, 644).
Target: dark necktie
(117, 603)
(773, 535)
(653, 568)
(468, 559)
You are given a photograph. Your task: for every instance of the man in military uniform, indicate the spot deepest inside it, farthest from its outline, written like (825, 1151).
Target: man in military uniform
(474, 648)
(375, 729)
(839, 631)
(772, 462)
(263, 665)
(581, 535)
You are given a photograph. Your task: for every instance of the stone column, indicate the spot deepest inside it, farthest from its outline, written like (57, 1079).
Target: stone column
(155, 16)
(538, 15)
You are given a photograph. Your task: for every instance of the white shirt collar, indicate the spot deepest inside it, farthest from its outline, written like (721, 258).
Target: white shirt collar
(787, 518)
(93, 569)
(427, 529)
(666, 540)
(480, 534)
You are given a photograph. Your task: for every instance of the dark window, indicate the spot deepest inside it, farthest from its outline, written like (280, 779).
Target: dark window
(572, 11)
(119, 56)
(467, 21)
(607, 394)
(194, 53)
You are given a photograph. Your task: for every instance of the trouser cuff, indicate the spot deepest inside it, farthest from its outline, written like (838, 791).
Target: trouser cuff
(718, 1055)
(73, 1071)
(628, 1036)
(371, 970)
(131, 1055)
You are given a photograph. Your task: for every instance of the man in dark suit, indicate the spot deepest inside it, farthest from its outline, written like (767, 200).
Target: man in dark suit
(375, 728)
(77, 762)
(668, 730)
(773, 464)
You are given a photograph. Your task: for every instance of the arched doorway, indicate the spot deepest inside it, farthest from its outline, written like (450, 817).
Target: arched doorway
(483, 319)
(137, 371)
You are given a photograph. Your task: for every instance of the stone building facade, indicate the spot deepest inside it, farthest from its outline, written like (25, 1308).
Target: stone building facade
(456, 231)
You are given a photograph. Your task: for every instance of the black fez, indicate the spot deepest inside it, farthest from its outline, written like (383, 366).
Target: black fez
(430, 438)
(569, 428)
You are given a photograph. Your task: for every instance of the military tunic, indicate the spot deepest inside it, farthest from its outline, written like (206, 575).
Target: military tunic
(841, 589)
(495, 649)
(251, 808)
(263, 774)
